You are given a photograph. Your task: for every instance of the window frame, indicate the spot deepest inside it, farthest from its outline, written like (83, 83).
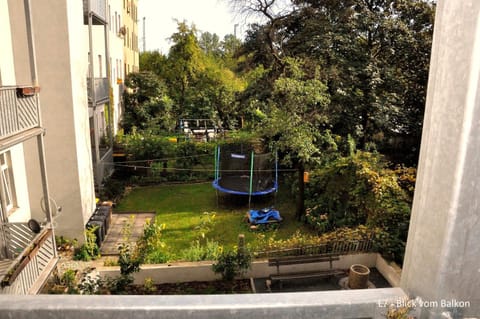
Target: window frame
(8, 198)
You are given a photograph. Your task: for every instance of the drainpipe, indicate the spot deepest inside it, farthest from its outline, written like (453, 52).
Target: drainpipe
(92, 89)
(40, 137)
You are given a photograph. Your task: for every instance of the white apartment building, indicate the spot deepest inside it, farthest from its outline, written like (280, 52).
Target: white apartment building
(27, 245)
(71, 52)
(79, 49)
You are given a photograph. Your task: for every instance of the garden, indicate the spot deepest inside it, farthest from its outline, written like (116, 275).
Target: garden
(342, 117)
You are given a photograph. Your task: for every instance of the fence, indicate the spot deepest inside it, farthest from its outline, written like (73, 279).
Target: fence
(336, 247)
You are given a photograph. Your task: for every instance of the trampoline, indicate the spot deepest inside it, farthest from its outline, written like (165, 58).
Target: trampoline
(240, 171)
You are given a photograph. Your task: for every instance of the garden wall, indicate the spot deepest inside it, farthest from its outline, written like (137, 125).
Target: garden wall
(202, 271)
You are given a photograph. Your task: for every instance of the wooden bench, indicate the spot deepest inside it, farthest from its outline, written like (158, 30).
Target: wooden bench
(296, 260)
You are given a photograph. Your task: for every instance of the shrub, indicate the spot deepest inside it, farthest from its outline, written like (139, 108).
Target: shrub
(231, 264)
(211, 250)
(300, 240)
(89, 250)
(361, 190)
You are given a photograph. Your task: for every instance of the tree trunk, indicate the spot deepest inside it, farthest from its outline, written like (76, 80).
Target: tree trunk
(301, 192)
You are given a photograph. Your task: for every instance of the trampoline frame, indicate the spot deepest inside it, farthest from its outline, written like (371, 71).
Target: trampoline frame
(250, 193)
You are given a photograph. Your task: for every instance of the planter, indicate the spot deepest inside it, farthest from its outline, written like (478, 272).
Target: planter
(358, 276)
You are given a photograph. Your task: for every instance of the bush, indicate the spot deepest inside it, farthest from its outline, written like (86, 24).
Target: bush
(89, 250)
(361, 190)
(300, 240)
(231, 264)
(211, 250)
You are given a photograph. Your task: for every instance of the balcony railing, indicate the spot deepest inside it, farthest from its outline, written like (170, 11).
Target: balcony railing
(102, 90)
(99, 10)
(18, 110)
(30, 259)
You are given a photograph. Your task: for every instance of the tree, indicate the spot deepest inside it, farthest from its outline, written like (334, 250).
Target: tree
(297, 113)
(154, 62)
(185, 62)
(373, 56)
(196, 76)
(274, 12)
(210, 44)
(147, 104)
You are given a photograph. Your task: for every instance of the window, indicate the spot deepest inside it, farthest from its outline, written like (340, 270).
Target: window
(7, 186)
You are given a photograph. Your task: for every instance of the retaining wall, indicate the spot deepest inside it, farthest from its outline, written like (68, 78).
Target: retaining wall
(202, 271)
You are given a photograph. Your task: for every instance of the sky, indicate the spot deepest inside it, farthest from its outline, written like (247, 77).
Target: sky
(214, 16)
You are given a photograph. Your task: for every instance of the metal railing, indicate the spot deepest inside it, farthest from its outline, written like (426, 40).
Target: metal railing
(102, 90)
(31, 256)
(105, 167)
(18, 111)
(335, 247)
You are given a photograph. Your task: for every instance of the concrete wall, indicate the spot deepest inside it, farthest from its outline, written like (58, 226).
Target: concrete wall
(62, 65)
(365, 303)
(7, 69)
(18, 28)
(443, 248)
(390, 271)
(202, 271)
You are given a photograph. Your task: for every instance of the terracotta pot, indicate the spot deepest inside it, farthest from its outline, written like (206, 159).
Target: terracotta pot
(358, 276)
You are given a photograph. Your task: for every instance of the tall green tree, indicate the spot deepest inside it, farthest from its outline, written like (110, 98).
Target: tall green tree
(373, 55)
(185, 62)
(210, 44)
(376, 57)
(154, 62)
(197, 77)
(147, 104)
(297, 113)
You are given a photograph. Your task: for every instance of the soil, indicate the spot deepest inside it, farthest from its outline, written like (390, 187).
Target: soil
(194, 288)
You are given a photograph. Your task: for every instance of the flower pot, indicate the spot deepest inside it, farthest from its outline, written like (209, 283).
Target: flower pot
(358, 276)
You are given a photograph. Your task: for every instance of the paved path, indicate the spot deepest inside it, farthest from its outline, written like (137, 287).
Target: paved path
(115, 235)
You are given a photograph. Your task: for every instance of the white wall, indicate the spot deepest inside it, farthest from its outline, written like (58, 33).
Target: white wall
(62, 60)
(98, 36)
(22, 212)
(117, 59)
(7, 70)
(78, 65)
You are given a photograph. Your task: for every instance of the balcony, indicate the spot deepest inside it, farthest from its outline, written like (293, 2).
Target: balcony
(102, 91)
(28, 258)
(104, 168)
(98, 9)
(18, 110)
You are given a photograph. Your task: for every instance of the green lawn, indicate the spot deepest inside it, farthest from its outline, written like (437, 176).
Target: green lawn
(181, 208)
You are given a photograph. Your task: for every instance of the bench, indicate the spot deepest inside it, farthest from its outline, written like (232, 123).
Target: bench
(296, 260)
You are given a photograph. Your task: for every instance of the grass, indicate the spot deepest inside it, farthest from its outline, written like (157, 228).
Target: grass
(182, 209)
